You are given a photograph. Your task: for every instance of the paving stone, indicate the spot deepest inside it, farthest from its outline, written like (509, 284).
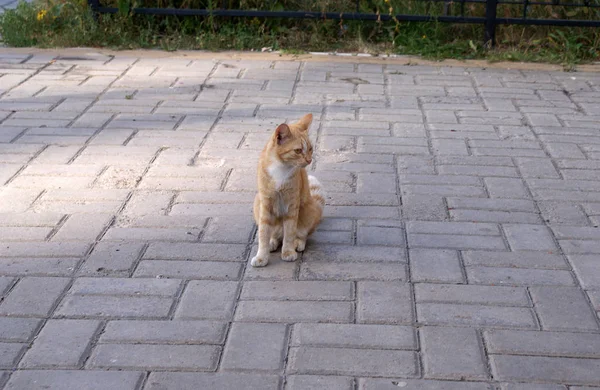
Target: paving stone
(543, 343)
(451, 241)
(515, 259)
(325, 270)
(5, 284)
(61, 344)
(376, 183)
(368, 362)
(297, 291)
(520, 205)
(120, 286)
(43, 249)
(577, 232)
(203, 299)
(25, 298)
(424, 384)
(384, 303)
(106, 306)
(529, 237)
(18, 329)
(562, 213)
(24, 233)
(10, 354)
(537, 167)
(221, 380)
(164, 332)
(431, 265)
(494, 216)
(30, 219)
(155, 357)
(424, 207)
(519, 277)
(294, 311)
(506, 188)
(441, 346)
(315, 382)
(549, 369)
(18, 266)
(580, 246)
(587, 269)
(380, 235)
(563, 308)
(595, 299)
(84, 227)
(360, 253)
(466, 228)
(69, 379)
(532, 386)
(471, 294)
(210, 270)
(229, 229)
(112, 259)
(255, 347)
(474, 315)
(354, 336)
(195, 251)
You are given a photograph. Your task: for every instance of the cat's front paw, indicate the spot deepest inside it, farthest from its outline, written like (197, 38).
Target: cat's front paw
(289, 255)
(259, 261)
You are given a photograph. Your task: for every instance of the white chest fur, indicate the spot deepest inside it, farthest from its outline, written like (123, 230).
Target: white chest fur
(280, 173)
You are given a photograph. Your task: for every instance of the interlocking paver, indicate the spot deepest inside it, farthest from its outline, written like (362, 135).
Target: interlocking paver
(563, 308)
(255, 347)
(61, 344)
(452, 354)
(458, 249)
(68, 379)
(157, 357)
(314, 382)
(368, 362)
(222, 380)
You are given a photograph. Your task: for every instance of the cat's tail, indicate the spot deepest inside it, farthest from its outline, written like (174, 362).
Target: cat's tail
(316, 191)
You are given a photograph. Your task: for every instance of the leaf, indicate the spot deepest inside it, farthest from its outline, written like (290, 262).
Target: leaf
(472, 45)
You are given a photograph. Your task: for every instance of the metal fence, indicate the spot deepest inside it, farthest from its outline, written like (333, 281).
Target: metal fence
(489, 20)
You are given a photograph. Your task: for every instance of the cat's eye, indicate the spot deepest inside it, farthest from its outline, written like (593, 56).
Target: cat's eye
(298, 151)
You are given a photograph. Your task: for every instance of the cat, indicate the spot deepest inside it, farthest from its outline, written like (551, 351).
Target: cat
(289, 203)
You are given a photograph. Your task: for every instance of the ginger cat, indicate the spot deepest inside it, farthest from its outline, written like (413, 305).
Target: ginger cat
(289, 203)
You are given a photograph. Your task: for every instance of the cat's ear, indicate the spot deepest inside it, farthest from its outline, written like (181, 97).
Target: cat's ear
(305, 122)
(282, 134)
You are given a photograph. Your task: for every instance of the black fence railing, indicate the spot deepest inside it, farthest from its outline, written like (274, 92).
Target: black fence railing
(490, 19)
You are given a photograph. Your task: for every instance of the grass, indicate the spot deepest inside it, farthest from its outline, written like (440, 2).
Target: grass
(69, 23)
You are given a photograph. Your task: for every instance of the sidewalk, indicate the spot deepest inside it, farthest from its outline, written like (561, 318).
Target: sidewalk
(460, 248)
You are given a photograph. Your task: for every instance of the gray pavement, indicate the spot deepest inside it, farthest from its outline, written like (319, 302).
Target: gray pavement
(460, 248)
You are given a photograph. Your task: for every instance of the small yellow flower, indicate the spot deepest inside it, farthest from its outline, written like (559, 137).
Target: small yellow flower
(424, 37)
(41, 14)
(387, 1)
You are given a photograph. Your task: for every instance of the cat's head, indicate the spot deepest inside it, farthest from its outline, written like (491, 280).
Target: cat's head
(291, 143)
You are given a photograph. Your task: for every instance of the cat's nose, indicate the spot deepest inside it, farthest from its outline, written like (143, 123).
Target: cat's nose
(309, 161)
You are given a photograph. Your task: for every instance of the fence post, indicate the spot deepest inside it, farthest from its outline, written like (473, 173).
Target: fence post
(94, 5)
(490, 23)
